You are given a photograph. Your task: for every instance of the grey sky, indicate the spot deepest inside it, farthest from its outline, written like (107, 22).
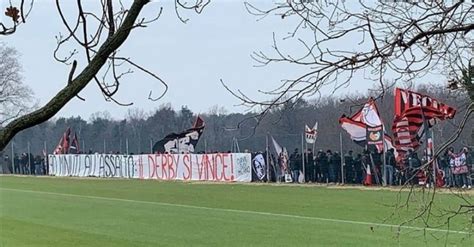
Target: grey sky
(191, 58)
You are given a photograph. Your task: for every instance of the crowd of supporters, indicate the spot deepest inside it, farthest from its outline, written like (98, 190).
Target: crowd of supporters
(25, 163)
(454, 169)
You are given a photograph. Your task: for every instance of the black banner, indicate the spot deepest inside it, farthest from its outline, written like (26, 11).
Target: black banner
(374, 138)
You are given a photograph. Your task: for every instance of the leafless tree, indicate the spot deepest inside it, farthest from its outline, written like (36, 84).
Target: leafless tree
(97, 37)
(384, 41)
(397, 40)
(15, 97)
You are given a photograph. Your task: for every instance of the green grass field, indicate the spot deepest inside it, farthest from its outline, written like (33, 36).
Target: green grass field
(100, 212)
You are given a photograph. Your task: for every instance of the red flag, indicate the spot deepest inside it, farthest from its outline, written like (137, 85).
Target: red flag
(432, 108)
(414, 114)
(63, 145)
(199, 123)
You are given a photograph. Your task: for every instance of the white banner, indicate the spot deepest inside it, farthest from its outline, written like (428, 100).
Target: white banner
(226, 167)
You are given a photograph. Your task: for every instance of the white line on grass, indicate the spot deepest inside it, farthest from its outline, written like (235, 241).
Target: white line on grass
(240, 211)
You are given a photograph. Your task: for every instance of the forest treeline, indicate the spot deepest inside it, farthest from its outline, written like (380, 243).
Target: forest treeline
(224, 130)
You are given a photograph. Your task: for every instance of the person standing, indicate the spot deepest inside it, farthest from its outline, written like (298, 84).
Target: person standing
(358, 169)
(309, 166)
(24, 164)
(8, 162)
(295, 164)
(443, 162)
(414, 164)
(31, 164)
(470, 164)
(389, 165)
(16, 164)
(331, 168)
(349, 167)
(323, 164)
(336, 163)
(461, 167)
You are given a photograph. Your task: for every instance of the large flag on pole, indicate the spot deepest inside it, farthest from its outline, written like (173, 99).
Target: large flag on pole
(63, 145)
(415, 113)
(281, 158)
(311, 133)
(184, 142)
(363, 126)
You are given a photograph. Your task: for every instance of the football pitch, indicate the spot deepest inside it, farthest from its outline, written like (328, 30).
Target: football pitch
(50, 211)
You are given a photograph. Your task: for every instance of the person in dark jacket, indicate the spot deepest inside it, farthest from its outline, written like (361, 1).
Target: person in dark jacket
(31, 163)
(8, 162)
(295, 164)
(24, 164)
(323, 166)
(443, 162)
(359, 170)
(389, 165)
(469, 164)
(309, 166)
(332, 169)
(349, 167)
(336, 163)
(414, 164)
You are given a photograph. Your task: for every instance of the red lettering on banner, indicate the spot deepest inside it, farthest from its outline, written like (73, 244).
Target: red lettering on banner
(224, 166)
(199, 165)
(202, 169)
(157, 165)
(152, 167)
(405, 99)
(171, 166)
(164, 164)
(207, 163)
(188, 167)
(219, 175)
(416, 100)
(212, 167)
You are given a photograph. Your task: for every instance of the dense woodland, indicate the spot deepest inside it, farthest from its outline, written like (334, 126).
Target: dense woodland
(102, 133)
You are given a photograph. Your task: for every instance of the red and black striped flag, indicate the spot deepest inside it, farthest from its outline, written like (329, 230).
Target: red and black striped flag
(415, 113)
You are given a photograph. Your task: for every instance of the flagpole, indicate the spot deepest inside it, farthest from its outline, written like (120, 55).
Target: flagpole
(342, 162)
(45, 158)
(126, 145)
(151, 146)
(267, 163)
(177, 144)
(13, 157)
(425, 132)
(384, 163)
(302, 155)
(305, 156)
(105, 147)
(432, 158)
(29, 157)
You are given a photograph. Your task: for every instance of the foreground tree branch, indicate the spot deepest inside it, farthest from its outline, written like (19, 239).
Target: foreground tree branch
(99, 35)
(387, 42)
(78, 83)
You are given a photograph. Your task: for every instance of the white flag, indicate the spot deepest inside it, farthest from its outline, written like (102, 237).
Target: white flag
(311, 133)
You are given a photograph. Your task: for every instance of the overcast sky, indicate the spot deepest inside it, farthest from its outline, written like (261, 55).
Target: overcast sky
(190, 57)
